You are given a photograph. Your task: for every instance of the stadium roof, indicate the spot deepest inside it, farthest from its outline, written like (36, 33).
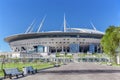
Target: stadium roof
(84, 30)
(67, 31)
(47, 34)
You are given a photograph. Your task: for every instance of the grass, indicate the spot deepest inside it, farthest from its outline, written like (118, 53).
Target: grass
(64, 55)
(115, 64)
(93, 55)
(21, 65)
(112, 64)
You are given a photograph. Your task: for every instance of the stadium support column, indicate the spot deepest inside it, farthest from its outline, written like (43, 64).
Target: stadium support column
(98, 48)
(56, 49)
(62, 48)
(101, 51)
(46, 49)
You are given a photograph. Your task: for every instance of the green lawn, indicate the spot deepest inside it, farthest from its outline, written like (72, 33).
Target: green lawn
(21, 65)
(64, 55)
(93, 55)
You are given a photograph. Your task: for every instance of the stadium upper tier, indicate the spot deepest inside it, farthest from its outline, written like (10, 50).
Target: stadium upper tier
(70, 32)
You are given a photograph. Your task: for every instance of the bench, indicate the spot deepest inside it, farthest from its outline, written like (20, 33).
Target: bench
(109, 64)
(56, 65)
(29, 69)
(10, 72)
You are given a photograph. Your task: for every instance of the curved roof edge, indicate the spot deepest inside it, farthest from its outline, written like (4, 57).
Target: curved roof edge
(84, 30)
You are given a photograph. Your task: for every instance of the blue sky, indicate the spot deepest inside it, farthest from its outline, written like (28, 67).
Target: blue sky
(17, 15)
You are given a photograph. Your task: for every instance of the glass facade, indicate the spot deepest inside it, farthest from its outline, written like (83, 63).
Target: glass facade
(92, 48)
(74, 48)
(40, 49)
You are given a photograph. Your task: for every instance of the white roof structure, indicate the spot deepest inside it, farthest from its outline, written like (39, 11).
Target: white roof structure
(84, 30)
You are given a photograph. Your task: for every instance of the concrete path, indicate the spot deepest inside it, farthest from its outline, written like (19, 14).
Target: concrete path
(77, 71)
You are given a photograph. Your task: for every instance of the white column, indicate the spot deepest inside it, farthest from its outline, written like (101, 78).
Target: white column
(62, 48)
(45, 49)
(48, 49)
(56, 49)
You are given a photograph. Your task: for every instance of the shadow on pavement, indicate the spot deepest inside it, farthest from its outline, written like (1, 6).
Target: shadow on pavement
(63, 72)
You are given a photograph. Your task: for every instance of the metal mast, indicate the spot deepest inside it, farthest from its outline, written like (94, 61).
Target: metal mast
(30, 27)
(41, 24)
(93, 26)
(64, 24)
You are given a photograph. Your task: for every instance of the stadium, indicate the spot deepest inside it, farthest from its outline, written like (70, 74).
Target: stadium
(70, 40)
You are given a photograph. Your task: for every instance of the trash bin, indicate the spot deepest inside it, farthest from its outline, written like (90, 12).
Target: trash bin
(25, 70)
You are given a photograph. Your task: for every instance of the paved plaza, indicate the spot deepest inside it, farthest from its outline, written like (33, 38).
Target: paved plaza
(77, 71)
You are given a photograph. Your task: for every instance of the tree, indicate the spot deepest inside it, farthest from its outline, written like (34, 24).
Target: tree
(110, 41)
(3, 61)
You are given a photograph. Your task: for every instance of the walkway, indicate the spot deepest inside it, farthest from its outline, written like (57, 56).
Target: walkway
(77, 71)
